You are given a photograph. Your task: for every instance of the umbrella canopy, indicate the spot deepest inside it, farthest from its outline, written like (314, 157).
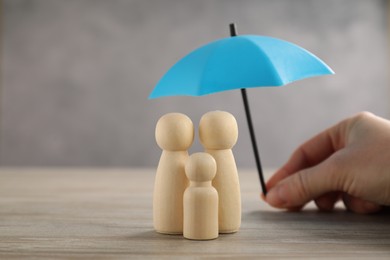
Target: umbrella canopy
(245, 61)
(240, 62)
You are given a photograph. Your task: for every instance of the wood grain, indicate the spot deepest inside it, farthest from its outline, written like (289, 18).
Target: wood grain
(107, 213)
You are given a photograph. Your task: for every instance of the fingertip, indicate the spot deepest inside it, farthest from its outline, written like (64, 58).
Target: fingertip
(369, 208)
(278, 175)
(276, 197)
(360, 206)
(325, 206)
(327, 201)
(295, 209)
(262, 196)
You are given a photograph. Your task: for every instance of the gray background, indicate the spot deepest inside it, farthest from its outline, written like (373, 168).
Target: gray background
(76, 75)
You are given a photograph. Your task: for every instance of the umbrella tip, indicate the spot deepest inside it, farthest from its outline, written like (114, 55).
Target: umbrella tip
(233, 30)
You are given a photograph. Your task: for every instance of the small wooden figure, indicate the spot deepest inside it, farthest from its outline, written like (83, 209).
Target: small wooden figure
(218, 133)
(174, 135)
(200, 198)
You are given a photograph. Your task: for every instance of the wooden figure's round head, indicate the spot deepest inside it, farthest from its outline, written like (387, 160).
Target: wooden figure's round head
(174, 132)
(201, 167)
(218, 130)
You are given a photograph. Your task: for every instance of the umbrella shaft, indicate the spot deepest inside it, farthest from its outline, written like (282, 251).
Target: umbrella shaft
(253, 139)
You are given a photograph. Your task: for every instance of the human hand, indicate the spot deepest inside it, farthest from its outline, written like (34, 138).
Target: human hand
(350, 160)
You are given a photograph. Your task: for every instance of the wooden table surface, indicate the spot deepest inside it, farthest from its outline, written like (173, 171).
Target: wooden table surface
(107, 213)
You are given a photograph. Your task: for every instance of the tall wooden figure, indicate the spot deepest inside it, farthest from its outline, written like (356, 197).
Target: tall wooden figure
(218, 133)
(200, 198)
(174, 135)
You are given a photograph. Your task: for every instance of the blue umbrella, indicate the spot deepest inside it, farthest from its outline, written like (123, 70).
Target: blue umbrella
(240, 62)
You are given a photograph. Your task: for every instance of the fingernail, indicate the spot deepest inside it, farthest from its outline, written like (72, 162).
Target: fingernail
(277, 196)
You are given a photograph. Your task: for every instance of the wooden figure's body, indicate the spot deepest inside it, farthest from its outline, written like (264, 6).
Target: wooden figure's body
(218, 132)
(174, 134)
(200, 199)
(169, 188)
(227, 184)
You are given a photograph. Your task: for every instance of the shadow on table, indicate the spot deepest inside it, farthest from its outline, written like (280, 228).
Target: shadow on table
(338, 226)
(317, 216)
(160, 245)
(151, 234)
(278, 234)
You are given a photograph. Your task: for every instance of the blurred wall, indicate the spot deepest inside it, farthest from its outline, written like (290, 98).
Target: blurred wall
(76, 75)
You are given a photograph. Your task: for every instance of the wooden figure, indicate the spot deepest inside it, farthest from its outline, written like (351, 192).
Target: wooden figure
(200, 198)
(218, 133)
(174, 135)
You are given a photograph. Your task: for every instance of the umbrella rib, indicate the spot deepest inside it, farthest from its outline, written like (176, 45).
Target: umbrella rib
(277, 77)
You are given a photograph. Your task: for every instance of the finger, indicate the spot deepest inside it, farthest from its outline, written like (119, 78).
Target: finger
(360, 206)
(278, 176)
(308, 184)
(292, 209)
(313, 152)
(327, 201)
(295, 209)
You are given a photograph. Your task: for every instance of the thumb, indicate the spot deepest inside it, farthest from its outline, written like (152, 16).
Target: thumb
(306, 185)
